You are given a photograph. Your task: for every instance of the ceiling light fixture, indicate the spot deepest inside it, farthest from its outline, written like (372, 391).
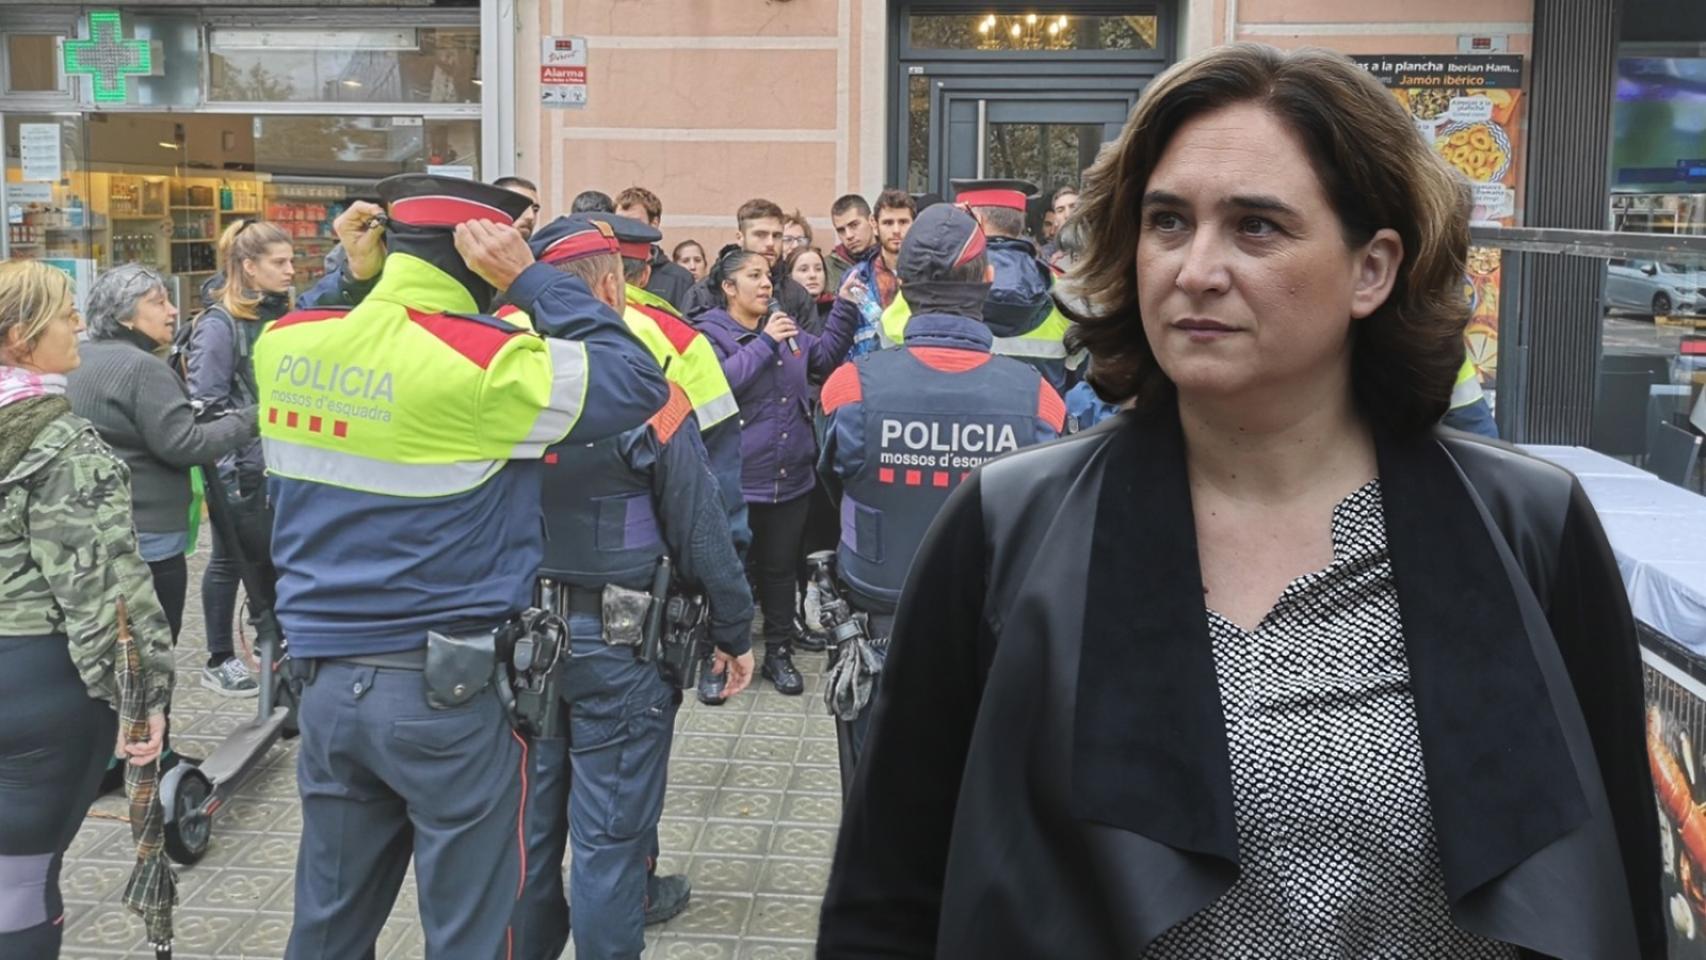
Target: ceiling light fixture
(350, 83)
(1015, 31)
(169, 145)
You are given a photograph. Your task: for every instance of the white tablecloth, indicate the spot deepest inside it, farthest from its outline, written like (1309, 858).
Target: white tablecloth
(1658, 532)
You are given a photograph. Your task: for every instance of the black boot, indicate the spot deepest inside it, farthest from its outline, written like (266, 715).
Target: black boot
(779, 669)
(807, 639)
(666, 897)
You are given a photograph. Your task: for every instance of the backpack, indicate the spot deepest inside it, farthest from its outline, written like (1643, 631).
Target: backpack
(178, 354)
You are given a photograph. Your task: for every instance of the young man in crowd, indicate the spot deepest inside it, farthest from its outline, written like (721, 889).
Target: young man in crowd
(758, 229)
(895, 212)
(667, 280)
(796, 233)
(592, 201)
(527, 221)
(856, 230)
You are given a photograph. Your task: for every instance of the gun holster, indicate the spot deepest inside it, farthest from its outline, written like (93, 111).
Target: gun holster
(459, 666)
(685, 642)
(298, 674)
(537, 661)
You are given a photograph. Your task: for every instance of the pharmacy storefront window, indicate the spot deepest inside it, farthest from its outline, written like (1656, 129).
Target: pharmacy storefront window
(275, 122)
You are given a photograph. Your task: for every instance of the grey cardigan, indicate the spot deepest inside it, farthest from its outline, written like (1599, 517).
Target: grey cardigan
(141, 409)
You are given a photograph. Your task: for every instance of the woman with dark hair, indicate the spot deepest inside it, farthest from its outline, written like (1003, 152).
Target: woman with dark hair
(690, 256)
(251, 289)
(1267, 665)
(770, 362)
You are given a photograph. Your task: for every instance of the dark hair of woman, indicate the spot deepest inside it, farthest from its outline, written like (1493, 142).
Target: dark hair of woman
(730, 261)
(1375, 172)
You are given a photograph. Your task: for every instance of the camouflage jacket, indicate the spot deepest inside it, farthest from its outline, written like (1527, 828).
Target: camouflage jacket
(68, 553)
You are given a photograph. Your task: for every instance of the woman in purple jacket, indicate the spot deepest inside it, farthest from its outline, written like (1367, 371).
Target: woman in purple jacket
(768, 360)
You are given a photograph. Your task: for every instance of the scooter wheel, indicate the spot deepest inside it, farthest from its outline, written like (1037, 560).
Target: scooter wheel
(189, 831)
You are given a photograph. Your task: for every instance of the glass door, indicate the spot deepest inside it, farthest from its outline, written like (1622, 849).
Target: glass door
(1048, 141)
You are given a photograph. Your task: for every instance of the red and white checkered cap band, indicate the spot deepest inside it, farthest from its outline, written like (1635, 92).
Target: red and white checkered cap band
(579, 245)
(1012, 199)
(443, 211)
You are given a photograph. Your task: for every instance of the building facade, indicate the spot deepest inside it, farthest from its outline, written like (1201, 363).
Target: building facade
(711, 102)
(169, 119)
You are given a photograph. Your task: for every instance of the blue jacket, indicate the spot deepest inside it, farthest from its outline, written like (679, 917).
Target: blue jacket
(771, 384)
(1084, 409)
(220, 375)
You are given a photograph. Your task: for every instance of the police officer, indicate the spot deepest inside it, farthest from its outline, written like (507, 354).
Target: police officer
(1469, 409)
(1018, 311)
(904, 427)
(614, 509)
(688, 360)
(403, 439)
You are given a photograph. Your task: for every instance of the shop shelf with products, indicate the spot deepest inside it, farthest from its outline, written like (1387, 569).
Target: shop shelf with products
(239, 198)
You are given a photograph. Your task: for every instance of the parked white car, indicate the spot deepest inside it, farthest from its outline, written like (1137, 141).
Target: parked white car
(1655, 288)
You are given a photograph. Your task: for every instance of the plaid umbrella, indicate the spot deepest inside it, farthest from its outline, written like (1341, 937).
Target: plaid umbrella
(153, 888)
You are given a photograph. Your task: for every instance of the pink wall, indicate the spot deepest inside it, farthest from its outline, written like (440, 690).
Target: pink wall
(709, 103)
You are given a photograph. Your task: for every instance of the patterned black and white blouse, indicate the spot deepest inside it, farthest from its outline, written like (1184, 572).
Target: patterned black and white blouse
(1335, 834)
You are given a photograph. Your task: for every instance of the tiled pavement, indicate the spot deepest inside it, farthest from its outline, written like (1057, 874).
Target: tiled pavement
(754, 799)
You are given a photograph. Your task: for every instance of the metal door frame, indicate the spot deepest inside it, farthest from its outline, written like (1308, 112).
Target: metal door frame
(1047, 75)
(984, 91)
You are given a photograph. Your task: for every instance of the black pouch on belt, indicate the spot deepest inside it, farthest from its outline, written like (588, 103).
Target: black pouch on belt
(624, 614)
(459, 666)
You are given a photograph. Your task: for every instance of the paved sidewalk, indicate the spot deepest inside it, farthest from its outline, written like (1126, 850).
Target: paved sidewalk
(754, 799)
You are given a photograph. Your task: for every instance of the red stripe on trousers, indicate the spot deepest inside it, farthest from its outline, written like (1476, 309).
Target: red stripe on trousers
(520, 842)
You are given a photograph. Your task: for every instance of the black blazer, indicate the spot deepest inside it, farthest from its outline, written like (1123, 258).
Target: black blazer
(1047, 773)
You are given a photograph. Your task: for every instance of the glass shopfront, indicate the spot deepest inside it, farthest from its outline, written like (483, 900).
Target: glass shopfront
(141, 137)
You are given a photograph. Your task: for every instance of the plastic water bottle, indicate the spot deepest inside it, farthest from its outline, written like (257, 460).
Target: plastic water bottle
(871, 315)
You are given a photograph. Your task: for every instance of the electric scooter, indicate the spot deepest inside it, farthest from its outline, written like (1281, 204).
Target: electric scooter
(191, 795)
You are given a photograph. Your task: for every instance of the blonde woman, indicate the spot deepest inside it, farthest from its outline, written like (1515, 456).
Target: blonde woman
(68, 547)
(251, 289)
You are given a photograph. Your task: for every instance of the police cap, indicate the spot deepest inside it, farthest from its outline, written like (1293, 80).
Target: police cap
(433, 202)
(1012, 194)
(942, 238)
(635, 236)
(567, 239)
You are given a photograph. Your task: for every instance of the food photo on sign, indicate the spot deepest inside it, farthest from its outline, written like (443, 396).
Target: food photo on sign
(1468, 107)
(1674, 753)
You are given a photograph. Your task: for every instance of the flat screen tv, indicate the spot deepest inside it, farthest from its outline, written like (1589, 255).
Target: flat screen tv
(1658, 126)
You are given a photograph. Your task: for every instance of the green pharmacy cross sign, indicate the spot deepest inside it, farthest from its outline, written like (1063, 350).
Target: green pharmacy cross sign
(107, 58)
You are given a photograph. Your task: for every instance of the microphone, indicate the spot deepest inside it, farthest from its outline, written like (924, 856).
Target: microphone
(775, 308)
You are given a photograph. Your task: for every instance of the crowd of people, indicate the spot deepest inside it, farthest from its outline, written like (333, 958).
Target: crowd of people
(1263, 664)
